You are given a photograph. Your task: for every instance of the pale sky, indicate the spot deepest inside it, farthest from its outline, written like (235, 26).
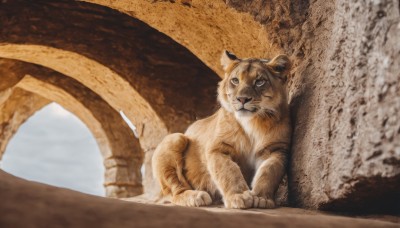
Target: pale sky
(56, 148)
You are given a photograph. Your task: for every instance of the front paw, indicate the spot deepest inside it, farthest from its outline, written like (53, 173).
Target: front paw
(263, 202)
(192, 198)
(239, 201)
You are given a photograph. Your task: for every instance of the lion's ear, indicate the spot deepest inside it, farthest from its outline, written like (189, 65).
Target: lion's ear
(227, 59)
(281, 65)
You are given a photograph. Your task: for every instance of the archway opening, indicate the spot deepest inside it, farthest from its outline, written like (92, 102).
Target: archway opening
(162, 87)
(54, 147)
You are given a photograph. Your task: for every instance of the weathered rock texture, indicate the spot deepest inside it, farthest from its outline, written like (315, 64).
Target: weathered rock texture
(344, 86)
(346, 147)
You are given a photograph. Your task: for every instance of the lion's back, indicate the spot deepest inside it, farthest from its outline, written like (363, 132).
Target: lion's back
(203, 128)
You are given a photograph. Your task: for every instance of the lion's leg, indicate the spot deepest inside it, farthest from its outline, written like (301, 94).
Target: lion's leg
(228, 177)
(267, 179)
(167, 168)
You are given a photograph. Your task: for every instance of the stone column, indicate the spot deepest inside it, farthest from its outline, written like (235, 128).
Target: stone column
(122, 177)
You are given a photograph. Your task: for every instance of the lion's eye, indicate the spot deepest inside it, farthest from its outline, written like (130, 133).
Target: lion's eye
(260, 82)
(235, 81)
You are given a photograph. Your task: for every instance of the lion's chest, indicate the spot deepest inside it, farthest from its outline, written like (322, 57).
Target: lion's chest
(245, 157)
(252, 140)
(254, 136)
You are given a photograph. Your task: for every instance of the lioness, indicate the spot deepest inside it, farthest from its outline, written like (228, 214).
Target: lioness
(240, 152)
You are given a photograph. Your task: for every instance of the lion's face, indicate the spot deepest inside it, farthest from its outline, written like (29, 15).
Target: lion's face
(253, 86)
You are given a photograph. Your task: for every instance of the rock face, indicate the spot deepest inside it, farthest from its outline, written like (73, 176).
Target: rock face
(344, 86)
(346, 145)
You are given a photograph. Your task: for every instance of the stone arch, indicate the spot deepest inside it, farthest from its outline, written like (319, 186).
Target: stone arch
(191, 23)
(42, 88)
(95, 76)
(158, 72)
(161, 87)
(121, 150)
(16, 106)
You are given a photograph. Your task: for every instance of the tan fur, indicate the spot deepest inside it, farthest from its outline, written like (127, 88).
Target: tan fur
(239, 153)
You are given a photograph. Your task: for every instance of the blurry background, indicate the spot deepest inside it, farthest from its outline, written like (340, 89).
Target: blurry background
(56, 148)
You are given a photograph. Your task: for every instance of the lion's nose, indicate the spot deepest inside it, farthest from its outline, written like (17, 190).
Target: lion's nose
(244, 100)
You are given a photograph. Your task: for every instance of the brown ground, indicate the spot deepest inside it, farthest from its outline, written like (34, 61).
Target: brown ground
(29, 204)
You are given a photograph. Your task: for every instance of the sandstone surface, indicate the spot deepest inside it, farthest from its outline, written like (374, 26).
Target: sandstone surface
(31, 204)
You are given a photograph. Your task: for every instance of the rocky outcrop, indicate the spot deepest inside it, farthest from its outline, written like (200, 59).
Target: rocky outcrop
(346, 100)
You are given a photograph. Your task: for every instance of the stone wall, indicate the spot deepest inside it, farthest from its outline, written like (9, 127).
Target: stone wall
(345, 153)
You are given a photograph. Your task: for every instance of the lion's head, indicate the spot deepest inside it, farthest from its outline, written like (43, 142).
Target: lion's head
(253, 86)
